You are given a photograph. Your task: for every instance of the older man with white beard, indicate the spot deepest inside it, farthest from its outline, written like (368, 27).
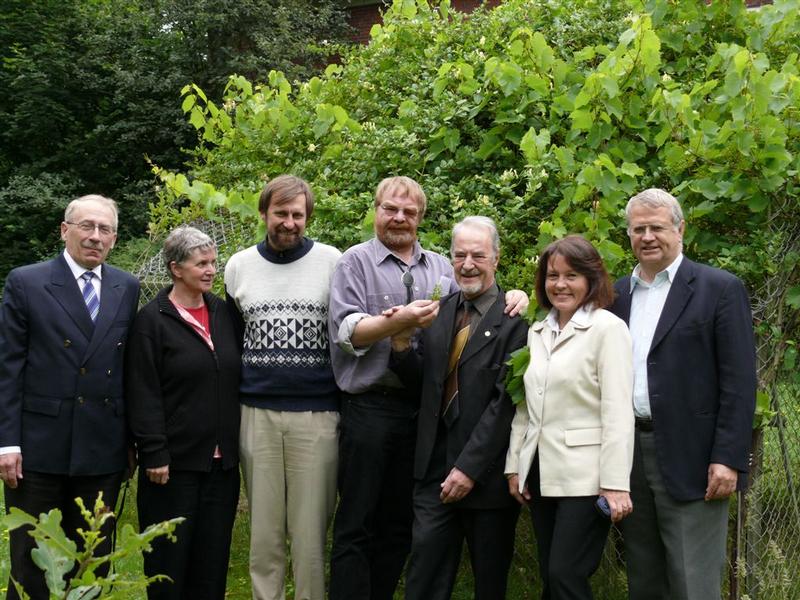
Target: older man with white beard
(465, 418)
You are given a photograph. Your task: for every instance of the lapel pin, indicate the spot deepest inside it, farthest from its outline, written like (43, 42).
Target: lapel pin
(487, 333)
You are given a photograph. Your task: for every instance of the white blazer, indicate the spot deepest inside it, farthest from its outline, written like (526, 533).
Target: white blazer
(578, 409)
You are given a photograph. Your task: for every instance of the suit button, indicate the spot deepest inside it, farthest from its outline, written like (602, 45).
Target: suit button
(108, 372)
(67, 343)
(119, 344)
(105, 401)
(82, 371)
(80, 399)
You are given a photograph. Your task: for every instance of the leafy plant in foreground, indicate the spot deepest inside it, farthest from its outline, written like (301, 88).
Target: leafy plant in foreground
(57, 555)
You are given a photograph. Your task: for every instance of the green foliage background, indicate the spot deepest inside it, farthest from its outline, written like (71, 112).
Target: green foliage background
(546, 115)
(91, 91)
(512, 107)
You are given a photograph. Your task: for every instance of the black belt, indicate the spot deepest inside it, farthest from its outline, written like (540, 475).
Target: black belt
(643, 424)
(379, 390)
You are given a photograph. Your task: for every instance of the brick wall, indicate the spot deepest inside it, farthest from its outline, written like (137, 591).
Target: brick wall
(363, 17)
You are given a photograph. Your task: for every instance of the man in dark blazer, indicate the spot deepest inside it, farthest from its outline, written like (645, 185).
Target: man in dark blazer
(464, 426)
(62, 425)
(694, 397)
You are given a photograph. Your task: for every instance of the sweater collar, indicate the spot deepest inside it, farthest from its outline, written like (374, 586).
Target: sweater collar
(287, 256)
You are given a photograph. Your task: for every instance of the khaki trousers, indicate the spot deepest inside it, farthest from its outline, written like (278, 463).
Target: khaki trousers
(289, 463)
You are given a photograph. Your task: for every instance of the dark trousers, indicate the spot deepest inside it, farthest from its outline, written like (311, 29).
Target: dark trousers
(197, 562)
(372, 526)
(570, 536)
(40, 492)
(438, 536)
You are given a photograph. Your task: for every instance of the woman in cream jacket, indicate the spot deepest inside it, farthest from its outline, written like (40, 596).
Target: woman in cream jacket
(572, 440)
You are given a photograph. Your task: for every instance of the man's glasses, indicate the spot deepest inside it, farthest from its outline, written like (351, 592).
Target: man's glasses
(393, 211)
(641, 230)
(477, 257)
(89, 227)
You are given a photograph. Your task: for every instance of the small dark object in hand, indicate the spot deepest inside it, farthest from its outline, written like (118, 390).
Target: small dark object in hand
(602, 506)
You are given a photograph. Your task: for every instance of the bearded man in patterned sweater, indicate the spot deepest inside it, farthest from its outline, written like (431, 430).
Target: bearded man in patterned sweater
(278, 293)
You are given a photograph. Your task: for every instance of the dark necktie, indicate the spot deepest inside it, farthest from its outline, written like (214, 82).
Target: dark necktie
(450, 409)
(90, 295)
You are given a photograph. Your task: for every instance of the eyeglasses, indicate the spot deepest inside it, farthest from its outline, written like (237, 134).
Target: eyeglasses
(477, 258)
(641, 230)
(89, 227)
(393, 211)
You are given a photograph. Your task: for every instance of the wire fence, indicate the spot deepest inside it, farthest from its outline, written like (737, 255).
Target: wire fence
(228, 234)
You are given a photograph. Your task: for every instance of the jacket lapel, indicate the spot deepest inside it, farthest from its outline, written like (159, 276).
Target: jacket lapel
(64, 289)
(111, 293)
(486, 329)
(447, 318)
(438, 340)
(567, 333)
(679, 293)
(622, 304)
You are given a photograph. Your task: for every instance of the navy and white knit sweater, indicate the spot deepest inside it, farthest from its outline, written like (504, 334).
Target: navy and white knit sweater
(281, 299)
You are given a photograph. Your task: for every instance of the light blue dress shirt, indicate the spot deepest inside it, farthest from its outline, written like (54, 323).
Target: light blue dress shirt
(647, 302)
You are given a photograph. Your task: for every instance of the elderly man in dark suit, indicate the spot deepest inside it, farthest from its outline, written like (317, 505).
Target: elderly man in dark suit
(464, 426)
(62, 333)
(694, 396)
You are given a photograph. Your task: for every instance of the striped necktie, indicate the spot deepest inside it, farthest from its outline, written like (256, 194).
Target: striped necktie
(450, 409)
(90, 295)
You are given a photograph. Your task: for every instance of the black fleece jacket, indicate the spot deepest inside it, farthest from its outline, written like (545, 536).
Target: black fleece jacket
(182, 398)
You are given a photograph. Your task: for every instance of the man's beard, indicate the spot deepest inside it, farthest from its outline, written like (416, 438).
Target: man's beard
(284, 240)
(395, 239)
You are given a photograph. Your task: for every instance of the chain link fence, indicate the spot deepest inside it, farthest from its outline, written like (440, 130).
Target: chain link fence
(766, 538)
(229, 233)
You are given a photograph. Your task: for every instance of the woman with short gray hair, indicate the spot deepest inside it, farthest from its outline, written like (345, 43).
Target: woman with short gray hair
(182, 374)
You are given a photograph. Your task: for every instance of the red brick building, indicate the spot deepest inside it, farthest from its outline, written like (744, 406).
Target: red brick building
(366, 13)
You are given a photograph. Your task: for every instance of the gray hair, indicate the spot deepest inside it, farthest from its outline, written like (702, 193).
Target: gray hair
(656, 198)
(478, 222)
(107, 202)
(181, 242)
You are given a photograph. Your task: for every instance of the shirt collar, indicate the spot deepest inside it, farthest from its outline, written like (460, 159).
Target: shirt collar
(382, 253)
(582, 318)
(283, 257)
(661, 277)
(78, 270)
(483, 302)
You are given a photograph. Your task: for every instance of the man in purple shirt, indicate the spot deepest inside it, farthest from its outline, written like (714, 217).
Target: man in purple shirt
(379, 288)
